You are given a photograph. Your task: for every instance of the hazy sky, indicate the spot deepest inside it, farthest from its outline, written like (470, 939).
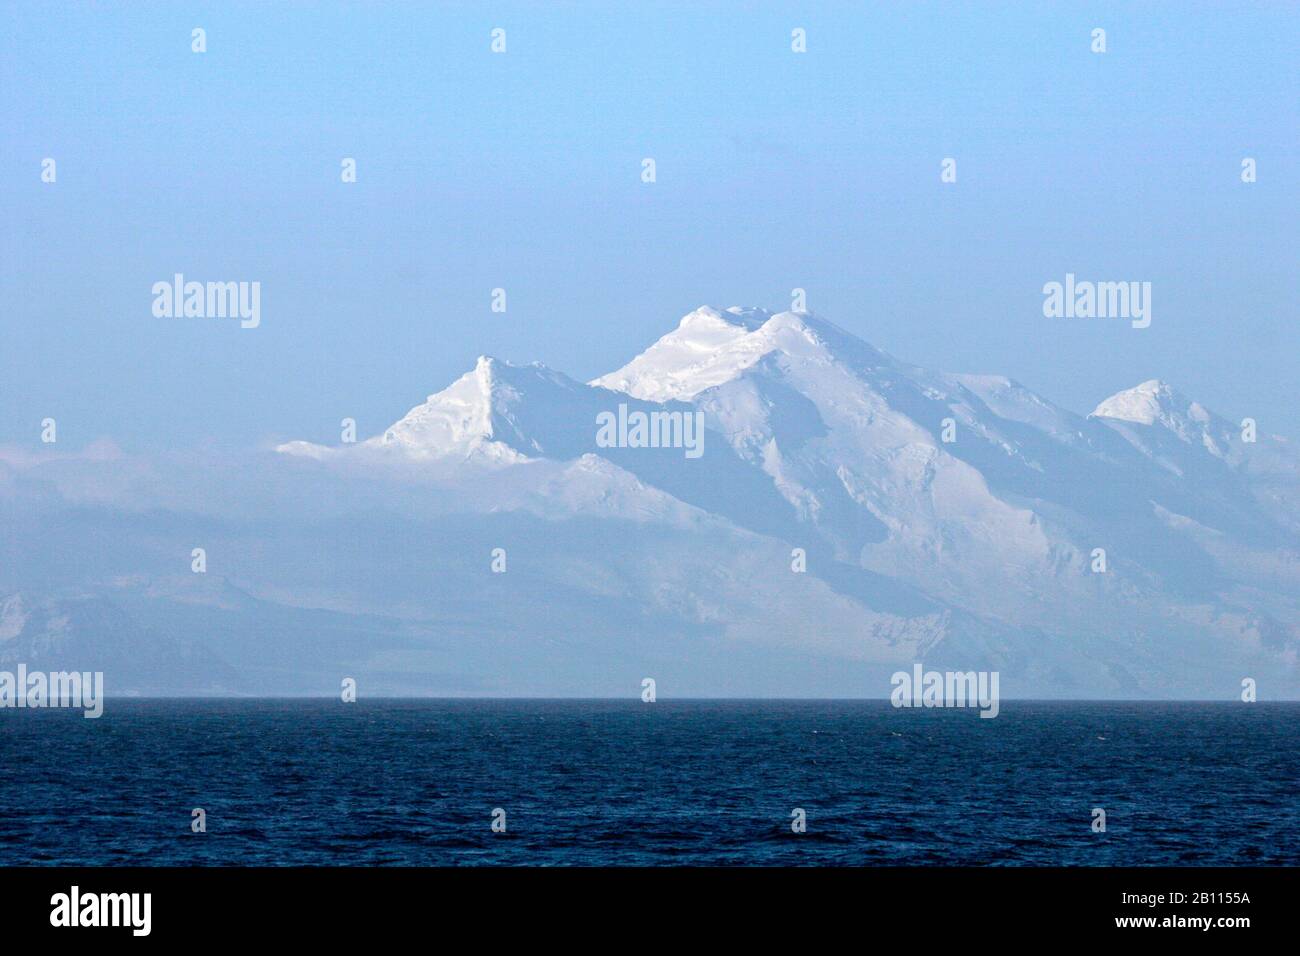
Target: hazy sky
(522, 170)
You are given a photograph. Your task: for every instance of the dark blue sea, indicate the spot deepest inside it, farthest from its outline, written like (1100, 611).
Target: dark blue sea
(415, 782)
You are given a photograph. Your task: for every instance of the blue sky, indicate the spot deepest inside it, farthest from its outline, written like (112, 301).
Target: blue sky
(775, 170)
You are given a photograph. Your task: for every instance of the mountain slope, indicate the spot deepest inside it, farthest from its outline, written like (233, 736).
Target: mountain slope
(849, 513)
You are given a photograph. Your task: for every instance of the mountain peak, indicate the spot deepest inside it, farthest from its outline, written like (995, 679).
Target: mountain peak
(480, 414)
(747, 316)
(707, 326)
(712, 346)
(1157, 404)
(1149, 403)
(476, 416)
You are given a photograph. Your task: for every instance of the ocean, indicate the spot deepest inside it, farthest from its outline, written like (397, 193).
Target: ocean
(690, 782)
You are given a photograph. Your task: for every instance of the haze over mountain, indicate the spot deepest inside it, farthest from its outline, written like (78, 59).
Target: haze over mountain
(952, 519)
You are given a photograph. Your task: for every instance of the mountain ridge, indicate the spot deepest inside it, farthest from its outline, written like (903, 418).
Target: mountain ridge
(850, 513)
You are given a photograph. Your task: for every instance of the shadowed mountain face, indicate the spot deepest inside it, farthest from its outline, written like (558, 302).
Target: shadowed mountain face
(95, 635)
(845, 515)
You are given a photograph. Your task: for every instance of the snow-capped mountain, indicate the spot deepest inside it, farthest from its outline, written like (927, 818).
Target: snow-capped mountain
(1161, 413)
(848, 514)
(1136, 537)
(1156, 403)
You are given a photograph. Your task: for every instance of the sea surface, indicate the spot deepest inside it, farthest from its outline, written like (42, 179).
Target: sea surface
(599, 782)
